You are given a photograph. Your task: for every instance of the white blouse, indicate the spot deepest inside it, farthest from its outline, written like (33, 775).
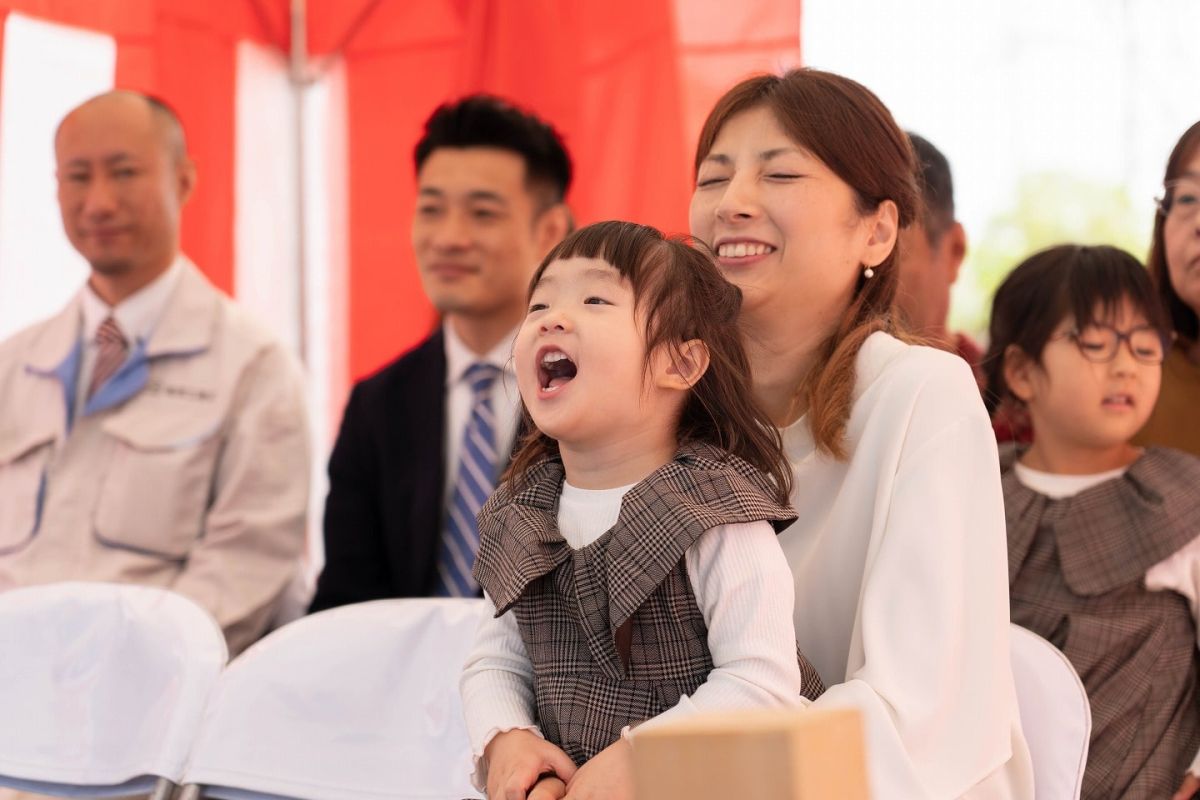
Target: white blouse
(900, 562)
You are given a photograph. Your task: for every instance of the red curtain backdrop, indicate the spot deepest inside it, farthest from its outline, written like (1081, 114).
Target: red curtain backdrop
(603, 73)
(721, 43)
(183, 52)
(628, 82)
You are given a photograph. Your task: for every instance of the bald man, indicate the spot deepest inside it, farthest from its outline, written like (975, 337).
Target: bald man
(150, 432)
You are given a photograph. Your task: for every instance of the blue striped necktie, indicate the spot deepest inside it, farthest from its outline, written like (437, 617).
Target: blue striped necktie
(477, 465)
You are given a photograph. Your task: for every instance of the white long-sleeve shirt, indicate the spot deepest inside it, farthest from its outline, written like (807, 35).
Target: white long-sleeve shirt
(1179, 572)
(742, 586)
(902, 548)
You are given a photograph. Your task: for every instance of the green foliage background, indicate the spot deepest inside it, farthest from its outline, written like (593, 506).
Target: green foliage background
(1050, 208)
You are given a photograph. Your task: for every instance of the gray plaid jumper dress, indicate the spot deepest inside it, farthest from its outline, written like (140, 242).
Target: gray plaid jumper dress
(1076, 571)
(613, 630)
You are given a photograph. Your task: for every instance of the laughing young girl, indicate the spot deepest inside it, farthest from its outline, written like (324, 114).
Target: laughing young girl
(1103, 558)
(630, 553)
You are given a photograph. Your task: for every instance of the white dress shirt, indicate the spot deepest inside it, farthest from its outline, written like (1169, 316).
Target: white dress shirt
(1178, 572)
(506, 401)
(742, 585)
(136, 316)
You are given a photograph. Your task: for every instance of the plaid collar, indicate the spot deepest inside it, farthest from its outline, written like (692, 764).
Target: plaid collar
(1108, 536)
(661, 517)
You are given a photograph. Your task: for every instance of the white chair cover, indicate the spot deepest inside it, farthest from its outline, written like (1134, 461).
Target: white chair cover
(102, 686)
(1055, 715)
(355, 703)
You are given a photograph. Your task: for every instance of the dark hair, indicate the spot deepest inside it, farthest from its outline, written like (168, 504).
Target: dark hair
(1085, 283)
(1183, 317)
(845, 125)
(937, 188)
(482, 120)
(684, 296)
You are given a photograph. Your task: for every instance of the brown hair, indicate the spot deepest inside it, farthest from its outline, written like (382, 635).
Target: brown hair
(684, 296)
(1069, 280)
(1183, 317)
(845, 125)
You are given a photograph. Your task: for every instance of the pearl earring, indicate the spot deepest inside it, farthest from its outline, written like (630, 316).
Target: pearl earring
(868, 273)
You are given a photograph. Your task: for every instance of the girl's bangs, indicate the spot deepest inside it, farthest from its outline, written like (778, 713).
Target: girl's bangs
(1099, 285)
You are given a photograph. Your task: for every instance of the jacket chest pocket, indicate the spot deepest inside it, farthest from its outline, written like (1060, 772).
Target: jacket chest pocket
(22, 482)
(156, 490)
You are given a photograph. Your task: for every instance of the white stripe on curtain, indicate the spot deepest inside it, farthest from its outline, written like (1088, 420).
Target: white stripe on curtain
(47, 70)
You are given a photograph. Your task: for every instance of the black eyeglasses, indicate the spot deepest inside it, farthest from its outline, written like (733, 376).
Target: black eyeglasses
(1100, 343)
(1181, 199)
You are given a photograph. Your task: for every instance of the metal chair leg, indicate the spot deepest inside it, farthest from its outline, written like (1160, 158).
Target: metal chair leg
(163, 790)
(191, 791)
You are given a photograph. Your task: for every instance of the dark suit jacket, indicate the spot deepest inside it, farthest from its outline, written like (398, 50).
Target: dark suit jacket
(383, 515)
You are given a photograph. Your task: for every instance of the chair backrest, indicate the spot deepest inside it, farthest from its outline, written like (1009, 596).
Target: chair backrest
(355, 703)
(1055, 715)
(103, 686)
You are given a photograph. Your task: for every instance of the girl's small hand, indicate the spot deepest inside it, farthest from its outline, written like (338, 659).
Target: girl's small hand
(548, 789)
(1188, 788)
(516, 758)
(608, 776)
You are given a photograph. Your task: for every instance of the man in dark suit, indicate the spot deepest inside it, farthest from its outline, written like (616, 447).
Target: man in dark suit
(423, 439)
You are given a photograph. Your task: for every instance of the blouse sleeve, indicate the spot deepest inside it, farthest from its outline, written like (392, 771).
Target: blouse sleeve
(929, 668)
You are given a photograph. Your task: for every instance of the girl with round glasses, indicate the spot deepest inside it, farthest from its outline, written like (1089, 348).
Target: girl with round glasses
(1175, 269)
(1103, 559)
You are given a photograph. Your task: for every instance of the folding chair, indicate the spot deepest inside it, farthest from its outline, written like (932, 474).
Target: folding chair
(355, 703)
(103, 687)
(1055, 715)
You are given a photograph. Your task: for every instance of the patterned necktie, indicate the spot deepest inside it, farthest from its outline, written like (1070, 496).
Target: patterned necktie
(111, 350)
(474, 484)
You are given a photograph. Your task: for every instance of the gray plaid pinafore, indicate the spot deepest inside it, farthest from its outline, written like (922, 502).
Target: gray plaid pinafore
(1077, 570)
(613, 630)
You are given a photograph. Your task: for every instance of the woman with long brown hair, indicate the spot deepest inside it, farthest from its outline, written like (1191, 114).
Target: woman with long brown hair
(802, 185)
(1175, 269)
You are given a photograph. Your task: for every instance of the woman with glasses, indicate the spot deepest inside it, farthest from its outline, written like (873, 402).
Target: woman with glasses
(1175, 268)
(1102, 553)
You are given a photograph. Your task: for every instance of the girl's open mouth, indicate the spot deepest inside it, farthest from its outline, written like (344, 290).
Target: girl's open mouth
(555, 369)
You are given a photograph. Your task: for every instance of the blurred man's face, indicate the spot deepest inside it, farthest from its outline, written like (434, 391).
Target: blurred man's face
(121, 186)
(478, 232)
(926, 272)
